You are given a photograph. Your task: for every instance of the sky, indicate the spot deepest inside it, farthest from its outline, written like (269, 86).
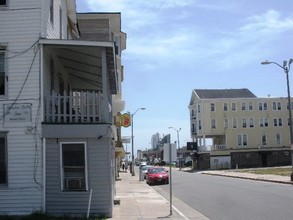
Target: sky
(176, 46)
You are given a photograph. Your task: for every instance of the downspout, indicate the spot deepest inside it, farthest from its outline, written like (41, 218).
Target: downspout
(42, 119)
(44, 175)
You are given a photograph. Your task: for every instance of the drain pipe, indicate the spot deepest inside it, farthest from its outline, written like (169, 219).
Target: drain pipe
(89, 205)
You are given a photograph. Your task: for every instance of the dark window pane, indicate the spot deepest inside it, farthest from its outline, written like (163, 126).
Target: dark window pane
(1, 62)
(3, 175)
(2, 84)
(73, 155)
(2, 2)
(73, 166)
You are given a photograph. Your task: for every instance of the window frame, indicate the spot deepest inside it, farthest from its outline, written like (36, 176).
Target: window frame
(250, 106)
(277, 106)
(234, 106)
(264, 140)
(225, 107)
(3, 51)
(244, 122)
(226, 122)
(213, 107)
(263, 122)
(51, 12)
(4, 5)
(4, 135)
(199, 124)
(243, 106)
(278, 138)
(262, 106)
(62, 167)
(251, 122)
(242, 140)
(213, 123)
(234, 123)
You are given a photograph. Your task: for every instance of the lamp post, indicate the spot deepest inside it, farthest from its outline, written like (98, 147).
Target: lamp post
(132, 145)
(178, 144)
(286, 68)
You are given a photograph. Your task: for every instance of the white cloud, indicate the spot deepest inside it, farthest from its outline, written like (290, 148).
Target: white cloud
(245, 44)
(138, 4)
(153, 32)
(269, 23)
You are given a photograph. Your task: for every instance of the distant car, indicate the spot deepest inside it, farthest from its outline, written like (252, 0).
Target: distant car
(144, 169)
(157, 175)
(143, 163)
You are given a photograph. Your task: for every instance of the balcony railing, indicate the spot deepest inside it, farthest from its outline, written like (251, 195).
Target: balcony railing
(218, 147)
(80, 107)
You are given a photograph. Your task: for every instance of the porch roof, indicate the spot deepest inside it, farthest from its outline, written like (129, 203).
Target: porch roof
(83, 62)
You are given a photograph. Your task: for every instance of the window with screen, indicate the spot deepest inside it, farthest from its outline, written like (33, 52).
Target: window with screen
(74, 167)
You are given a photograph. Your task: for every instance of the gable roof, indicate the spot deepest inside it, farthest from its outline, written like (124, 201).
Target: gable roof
(223, 93)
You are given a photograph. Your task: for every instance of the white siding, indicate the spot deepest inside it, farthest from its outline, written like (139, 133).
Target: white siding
(20, 28)
(100, 180)
(49, 30)
(27, 4)
(22, 23)
(23, 193)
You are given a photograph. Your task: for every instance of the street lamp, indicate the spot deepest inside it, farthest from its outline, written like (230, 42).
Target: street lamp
(286, 68)
(178, 144)
(132, 150)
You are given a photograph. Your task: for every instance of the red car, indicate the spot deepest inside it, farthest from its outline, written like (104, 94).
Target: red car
(157, 175)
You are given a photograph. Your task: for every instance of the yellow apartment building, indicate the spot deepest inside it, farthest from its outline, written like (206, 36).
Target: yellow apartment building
(244, 130)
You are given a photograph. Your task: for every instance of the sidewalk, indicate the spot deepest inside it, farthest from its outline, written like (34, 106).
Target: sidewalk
(140, 201)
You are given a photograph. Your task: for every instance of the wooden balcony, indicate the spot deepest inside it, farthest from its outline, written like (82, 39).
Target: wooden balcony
(80, 107)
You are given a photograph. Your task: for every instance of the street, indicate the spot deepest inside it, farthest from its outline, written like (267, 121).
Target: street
(230, 198)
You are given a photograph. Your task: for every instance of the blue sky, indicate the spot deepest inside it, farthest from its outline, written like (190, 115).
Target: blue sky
(175, 46)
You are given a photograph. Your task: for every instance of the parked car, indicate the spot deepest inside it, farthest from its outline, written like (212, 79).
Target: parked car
(143, 163)
(157, 175)
(144, 169)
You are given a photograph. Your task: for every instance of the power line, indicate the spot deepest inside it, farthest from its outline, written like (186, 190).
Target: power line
(20, 91)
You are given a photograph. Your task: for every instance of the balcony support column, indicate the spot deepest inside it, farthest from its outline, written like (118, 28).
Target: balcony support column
(105, 101)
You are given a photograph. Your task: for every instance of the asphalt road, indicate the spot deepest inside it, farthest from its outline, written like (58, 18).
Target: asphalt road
(221, 198)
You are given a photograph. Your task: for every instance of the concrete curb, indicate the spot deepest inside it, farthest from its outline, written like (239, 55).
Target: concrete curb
(249, 178)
